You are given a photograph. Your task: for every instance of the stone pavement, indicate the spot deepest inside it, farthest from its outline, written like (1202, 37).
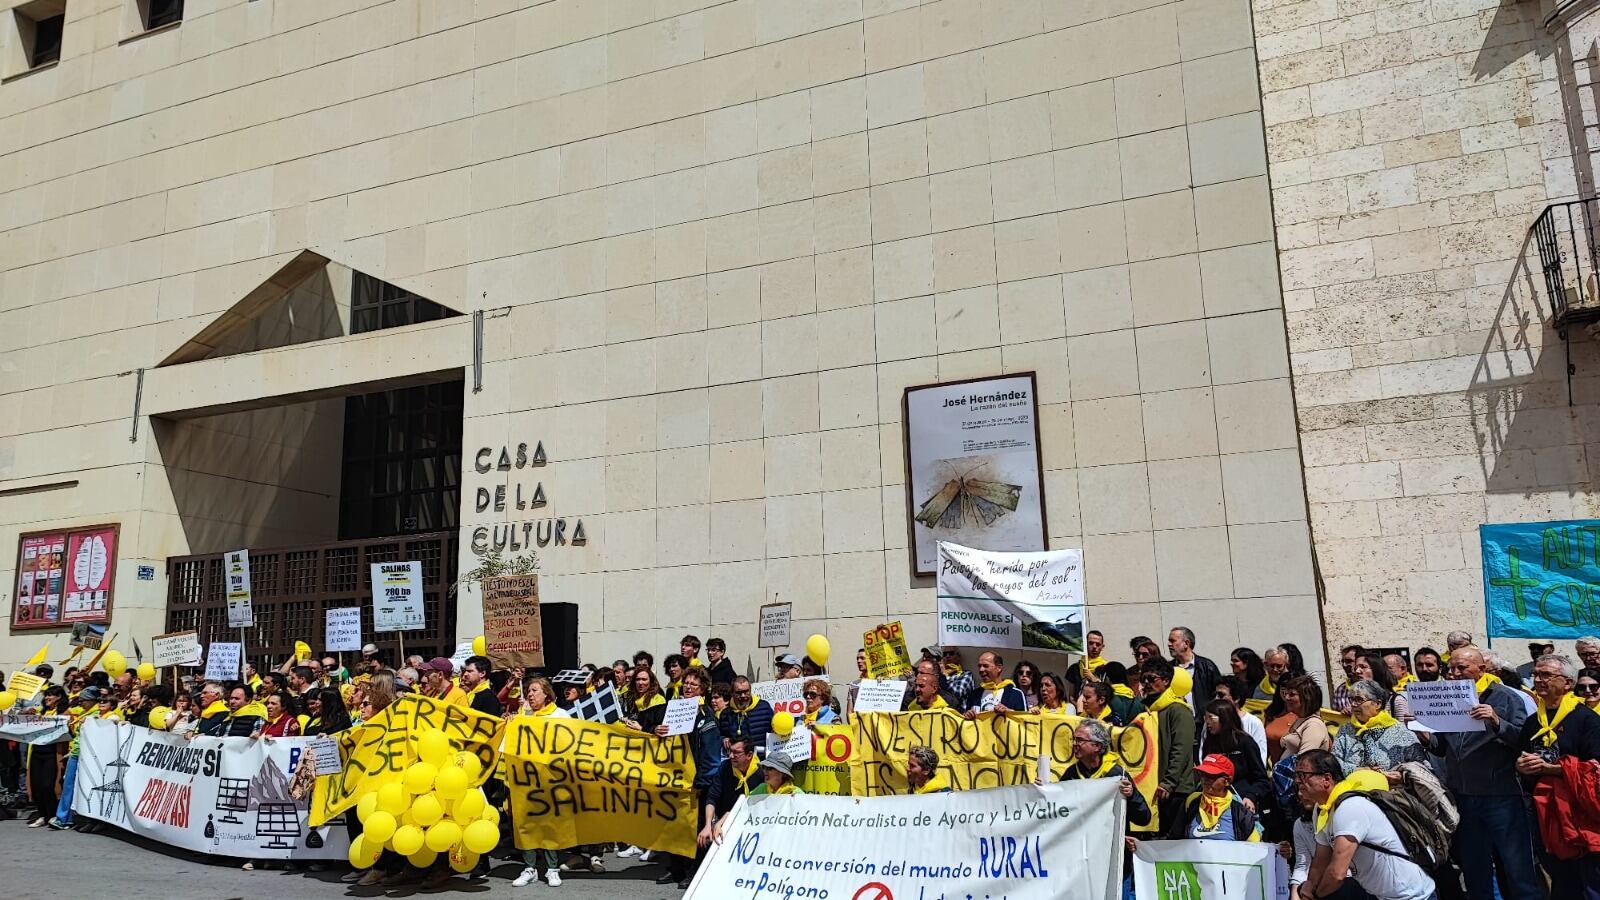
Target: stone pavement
(40, 863)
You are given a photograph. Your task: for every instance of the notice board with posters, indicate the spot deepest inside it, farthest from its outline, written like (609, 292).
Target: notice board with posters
(974, 466)
(65, 577)
(512, 631)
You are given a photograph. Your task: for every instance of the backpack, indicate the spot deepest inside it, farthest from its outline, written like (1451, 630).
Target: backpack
(1425, 838)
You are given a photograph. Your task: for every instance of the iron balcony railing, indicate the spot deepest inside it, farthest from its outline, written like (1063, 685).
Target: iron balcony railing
(1568, 237)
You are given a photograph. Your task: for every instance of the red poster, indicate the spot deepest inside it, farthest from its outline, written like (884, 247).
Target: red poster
(90, 569)
(65, 577)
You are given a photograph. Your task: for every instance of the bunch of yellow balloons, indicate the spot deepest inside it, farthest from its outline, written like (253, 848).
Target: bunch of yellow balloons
(431, 810)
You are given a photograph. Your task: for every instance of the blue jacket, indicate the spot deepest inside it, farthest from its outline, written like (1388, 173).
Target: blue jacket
(1011, 697)
(705, 742)
(754, 722)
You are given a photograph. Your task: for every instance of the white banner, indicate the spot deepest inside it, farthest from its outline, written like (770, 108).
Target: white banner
(1023, 843)
(228, 796)
(785, 695)
(1015, 600)
(397, 596)
(25, 728)
(343, 631)
(1215, 870)
(240, 612)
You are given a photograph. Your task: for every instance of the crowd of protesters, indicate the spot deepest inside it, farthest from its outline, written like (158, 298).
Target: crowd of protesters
(1258, 750)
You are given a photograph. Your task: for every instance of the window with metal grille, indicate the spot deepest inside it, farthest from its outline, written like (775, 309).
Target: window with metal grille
(402, 462)
(162, 12)
(376, 304)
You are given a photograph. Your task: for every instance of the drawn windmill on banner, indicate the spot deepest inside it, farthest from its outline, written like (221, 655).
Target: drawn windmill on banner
(110, 801)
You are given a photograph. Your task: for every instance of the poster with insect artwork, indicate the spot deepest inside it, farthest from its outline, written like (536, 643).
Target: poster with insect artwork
(973, 461)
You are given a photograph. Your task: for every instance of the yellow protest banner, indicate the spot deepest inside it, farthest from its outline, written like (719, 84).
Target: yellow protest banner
(574, 782)
(886, 651)
(25, 685)
(378, 751)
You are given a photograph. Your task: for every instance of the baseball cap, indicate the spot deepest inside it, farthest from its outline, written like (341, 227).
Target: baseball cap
(439, 664)
(1215, 764)
(369, 649)
(788, 659)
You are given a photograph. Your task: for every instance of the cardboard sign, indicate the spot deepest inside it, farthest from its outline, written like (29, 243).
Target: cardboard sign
(175, 649)
(1443, 706)
(325, 754)
(511, 626)
(223, 662)
(681, 714)
(343, 630)
(236, 565)
(25, 685)
(774, 625)
(880, 696)
(397, 596)
(886, 651)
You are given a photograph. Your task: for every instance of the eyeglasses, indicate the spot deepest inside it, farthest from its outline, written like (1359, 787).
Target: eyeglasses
(1587, 688)
(1083, 740)
(1302, 776)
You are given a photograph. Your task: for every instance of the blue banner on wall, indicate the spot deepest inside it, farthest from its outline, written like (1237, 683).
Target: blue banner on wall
(1542, 579)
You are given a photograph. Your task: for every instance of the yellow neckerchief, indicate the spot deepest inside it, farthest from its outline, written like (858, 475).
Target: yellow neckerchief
(252, 708)
(1547, 725)
(753, 701)
(810, 718)
(1122, 690)
(255, 682)
(1212, 808)
(1107, 761)
(938, 703)
(1359, 780)
(674, 688)
(481, 687)
(1485, 680)
(1407, 678)
(654, 701)
(1167, 698)
(952, 669)
(1000, 685)
(217, 706)
(935, 784)
(546, 710)
(274, 722)
(1058, 710)
(1377, 723)
(307, 723)
(1087, 666)
(749, 773)
(1267, 687)
(788, 788)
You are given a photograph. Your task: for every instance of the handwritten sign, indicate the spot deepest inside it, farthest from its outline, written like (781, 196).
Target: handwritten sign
(880, 696)
(222, 663)
(343, 629)
(774, 625)
(797, 746)
(1015, 600)
(175, 649)
(511, 626)
(1541, 580)
(25, 685)
(786, 695)
(680, 715)
(237, 566)
(1443, 705)
(325, 756)
(886, 651)
(397, 596)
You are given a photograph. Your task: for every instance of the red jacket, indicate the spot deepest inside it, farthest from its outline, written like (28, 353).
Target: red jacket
(1568, 807)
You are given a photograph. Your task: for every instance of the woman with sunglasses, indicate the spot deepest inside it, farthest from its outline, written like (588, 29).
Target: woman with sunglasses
(1588, 688)
(1026, 678)
(818, 696)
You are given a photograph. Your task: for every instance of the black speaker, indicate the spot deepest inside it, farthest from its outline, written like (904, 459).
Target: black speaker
(560, 623)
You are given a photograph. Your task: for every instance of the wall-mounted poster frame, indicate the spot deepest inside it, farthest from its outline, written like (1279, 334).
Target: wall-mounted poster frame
(974, 467)
(65, 576)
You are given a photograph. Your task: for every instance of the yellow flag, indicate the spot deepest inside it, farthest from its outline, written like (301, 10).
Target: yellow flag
(75, 651)
(37, 658)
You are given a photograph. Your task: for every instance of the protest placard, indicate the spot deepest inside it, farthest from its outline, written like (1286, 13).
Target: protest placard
(222, 662)
(1443, 706)
(25, 728)
(378, 750)
(886, 651)
(397, 596)
(225, 796)
(325, 754)
(774, 625)
(680, 715)
(880, 696)
(1015, 600)
(574, 782)
(784, 695)
(343, 630)
(25, 685)
(511, 628)
(175, 649)
(236, 565)
(796, 746)
(1021, 843)
(1215, 870)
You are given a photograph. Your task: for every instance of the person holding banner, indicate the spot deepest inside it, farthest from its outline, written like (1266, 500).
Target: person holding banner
(1097, 701)
(325, 713)
(279, 720)
(994, 693)
(1093, 758)
(1216, 812)
(45, 761)
(1053, 697)
(213, 711)
(705, 742)
(738, 775)
(538, 699)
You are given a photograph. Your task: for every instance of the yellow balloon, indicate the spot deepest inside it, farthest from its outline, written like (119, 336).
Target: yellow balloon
(406, 818)
(302, 650)
(491, 815)
(7, 699)
(451, 783)
(426, 810)
(362, 853)
(480, 836)
(379, 827)
(782, 723)
(367, 805)
(418, 777)
(114, 663)
(480, 647)
(442, 836)
(469, 807)
(147, 672)
(393, 799)
(468, 760)
(407, 840)
(422, 858)
(433, 747)
(463, 862)
(158, 718)
(1182, 681)
(818, 648)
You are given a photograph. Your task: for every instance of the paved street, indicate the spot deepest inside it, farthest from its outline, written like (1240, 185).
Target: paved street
(40, 863)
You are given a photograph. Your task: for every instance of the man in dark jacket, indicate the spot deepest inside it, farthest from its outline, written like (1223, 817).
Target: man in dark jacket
(738, 775)
(1480, 770)
(995, 692)
(1203, 672)
(720, 670)
(747, 715)
(475, 684)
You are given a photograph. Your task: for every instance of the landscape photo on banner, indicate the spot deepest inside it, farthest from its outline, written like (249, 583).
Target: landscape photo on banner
(1028, 842)
(1214, 870)
(574, 782)
(1010, 600)
(1541, 580)
(227, 796)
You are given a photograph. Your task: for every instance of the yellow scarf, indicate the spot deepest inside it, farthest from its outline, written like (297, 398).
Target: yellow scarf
(1267, 687)
(218, 706)
(1107, 761)
(1166, 699)
(1377, 723)
(1485, 680)
(938, 703)
(654, 701)
(547, 709)
(933, 785)
(953, 669)
(1122, 690)
(787, 789)
(1105, 713)
(1405, 679)
(259, 710)
(1087, 666)
(749, 773)
(1547, 725)
(1211, 810)
(810, 718)
(1359, 780)
(753, 701)
(1000, 685)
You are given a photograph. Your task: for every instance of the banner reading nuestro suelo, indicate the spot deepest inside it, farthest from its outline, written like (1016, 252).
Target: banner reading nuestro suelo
(228, 796)
(1021, 843)
(574, 782)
